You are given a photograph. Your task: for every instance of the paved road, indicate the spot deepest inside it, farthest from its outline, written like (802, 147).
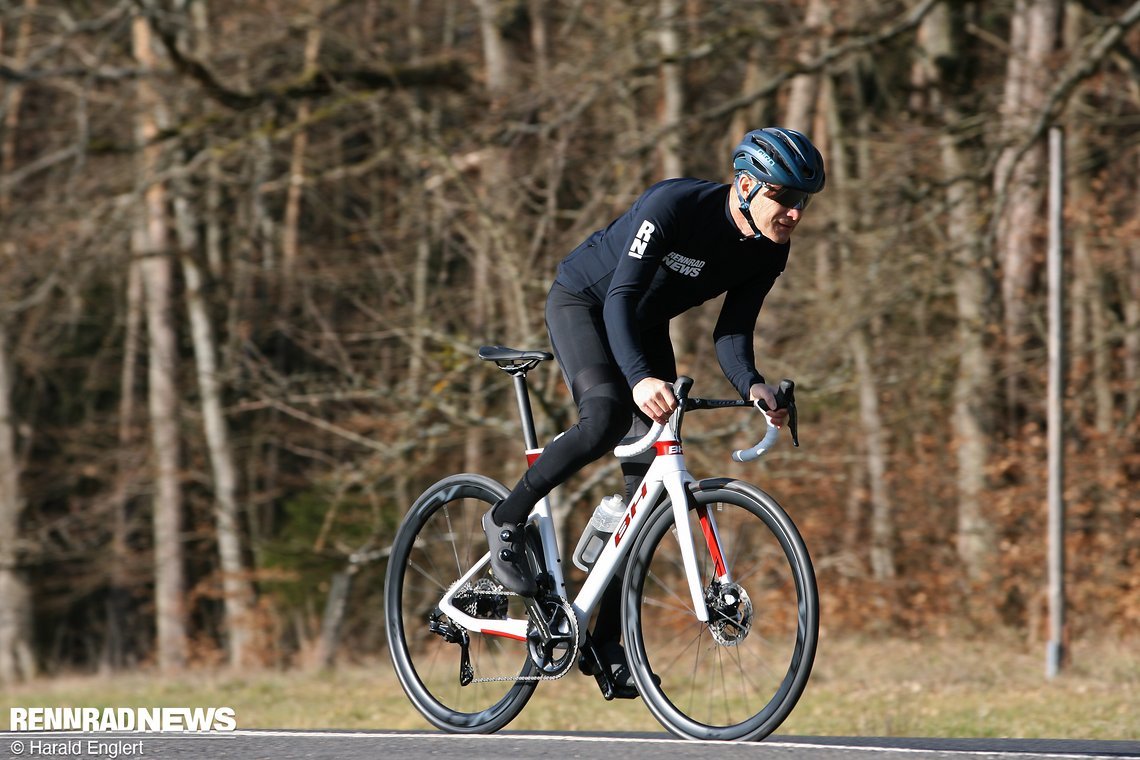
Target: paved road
(338, 745)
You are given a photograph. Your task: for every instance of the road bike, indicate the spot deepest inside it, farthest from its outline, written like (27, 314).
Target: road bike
(719, 607)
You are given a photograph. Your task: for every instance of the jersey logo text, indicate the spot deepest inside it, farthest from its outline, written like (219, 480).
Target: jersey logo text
(637, 249)
(684, 265)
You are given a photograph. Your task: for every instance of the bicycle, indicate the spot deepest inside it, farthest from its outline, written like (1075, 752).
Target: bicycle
(720, 641)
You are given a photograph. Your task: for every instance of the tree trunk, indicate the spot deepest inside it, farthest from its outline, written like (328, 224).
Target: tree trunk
(498, 72)
(754, 115)
(1033, 38)
(975, 531)
(844, 185)
(16, 659)
(672, 89)
(13, 96)
(150, 243)
(976, 541)
(671, 111)
(1132, 335)
(290, 234)
(882, 511)
(804, 91)
(126, 461)
(236, 588)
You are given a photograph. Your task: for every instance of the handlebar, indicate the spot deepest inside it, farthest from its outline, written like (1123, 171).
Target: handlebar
(785, 399)
(641, 445)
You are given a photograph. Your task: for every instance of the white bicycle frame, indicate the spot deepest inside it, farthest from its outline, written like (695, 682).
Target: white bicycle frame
(668, 472)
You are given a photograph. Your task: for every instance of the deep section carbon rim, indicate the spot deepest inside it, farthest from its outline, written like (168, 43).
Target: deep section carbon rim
(739, 675)
(438, 542)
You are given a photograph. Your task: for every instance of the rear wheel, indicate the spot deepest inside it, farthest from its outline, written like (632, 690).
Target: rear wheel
(441, 666)
(739, 675)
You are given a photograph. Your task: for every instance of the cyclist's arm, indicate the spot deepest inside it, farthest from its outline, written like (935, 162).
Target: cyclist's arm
(734, 331)
(647, 245)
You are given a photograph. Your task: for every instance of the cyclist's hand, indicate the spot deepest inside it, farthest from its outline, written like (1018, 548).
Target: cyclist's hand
(767, 394)
(655, 398)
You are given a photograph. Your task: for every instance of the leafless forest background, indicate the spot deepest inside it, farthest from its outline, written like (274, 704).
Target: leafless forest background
(249, 249)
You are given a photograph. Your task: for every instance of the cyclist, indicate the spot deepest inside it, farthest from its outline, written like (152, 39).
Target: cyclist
(683, 242)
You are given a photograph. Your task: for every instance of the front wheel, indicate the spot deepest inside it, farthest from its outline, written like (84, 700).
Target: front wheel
(737, 676)
(459, 681)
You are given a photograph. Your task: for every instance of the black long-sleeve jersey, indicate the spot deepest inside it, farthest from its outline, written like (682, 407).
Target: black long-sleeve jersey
(676, 247)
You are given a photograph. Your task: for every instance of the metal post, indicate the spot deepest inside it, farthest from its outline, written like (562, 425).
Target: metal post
(1055, 653)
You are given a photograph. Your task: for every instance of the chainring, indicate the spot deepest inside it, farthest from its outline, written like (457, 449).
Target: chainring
(554, 658)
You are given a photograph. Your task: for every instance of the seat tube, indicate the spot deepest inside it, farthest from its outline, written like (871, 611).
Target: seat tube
(541, 514)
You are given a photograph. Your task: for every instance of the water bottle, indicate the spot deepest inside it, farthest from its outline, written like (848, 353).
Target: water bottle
(604, 521)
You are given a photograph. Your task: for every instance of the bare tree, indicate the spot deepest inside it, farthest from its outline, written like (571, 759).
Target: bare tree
(16, 659)
(860, 340)
(672, 87)
(803, 94)
(944, 81)
(290, 229)
(150, 242)
(1034, 36)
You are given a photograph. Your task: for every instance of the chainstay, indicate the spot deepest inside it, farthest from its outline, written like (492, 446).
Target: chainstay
(507, 678)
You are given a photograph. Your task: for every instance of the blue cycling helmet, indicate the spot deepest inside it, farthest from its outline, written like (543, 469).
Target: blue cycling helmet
(778, 156)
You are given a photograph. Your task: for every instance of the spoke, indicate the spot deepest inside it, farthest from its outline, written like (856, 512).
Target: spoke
(673, 600)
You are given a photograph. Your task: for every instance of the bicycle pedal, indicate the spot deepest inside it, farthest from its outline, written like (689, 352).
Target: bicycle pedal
(591, 665)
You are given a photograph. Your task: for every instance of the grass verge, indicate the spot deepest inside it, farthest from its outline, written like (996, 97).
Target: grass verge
(929, 688)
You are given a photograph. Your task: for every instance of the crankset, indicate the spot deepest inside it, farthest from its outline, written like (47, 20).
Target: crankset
(552, 636)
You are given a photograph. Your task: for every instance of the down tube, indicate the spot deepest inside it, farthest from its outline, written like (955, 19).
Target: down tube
(678, 497)
(617, 549)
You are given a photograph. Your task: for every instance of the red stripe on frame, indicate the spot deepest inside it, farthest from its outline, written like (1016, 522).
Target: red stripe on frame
(710, 541)
(504, 634)
(668, 448)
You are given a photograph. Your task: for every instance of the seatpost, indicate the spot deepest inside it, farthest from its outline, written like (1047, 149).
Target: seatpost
(525, 413)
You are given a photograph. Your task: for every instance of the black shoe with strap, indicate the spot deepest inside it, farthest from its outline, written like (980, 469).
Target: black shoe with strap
(617, 681)
(508, 561)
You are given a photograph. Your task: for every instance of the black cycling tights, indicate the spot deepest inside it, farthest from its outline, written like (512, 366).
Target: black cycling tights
(605, 402)
(605, 409)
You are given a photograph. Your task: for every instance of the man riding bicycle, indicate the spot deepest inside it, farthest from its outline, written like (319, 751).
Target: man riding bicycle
(683, 242)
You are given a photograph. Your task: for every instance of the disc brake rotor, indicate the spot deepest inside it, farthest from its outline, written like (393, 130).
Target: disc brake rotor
(730, 614)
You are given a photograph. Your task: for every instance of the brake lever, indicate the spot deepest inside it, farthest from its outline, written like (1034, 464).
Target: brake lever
(786, 396)
(786, 399)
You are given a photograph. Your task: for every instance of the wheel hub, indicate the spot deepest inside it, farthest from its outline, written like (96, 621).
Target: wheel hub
(485, 599)
(730, 613)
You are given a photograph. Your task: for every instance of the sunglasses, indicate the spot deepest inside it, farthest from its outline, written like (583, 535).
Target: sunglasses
(787, 196)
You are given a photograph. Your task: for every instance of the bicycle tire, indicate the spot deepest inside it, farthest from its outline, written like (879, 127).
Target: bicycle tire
(732, 682)
(439, 540)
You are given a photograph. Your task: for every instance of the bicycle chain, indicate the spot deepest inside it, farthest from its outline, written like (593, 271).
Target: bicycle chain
(503, 679)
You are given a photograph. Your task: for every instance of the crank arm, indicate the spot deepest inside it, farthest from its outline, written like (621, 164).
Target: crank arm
(539, 619)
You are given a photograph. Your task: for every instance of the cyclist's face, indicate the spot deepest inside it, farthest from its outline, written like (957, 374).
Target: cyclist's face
(773, 219)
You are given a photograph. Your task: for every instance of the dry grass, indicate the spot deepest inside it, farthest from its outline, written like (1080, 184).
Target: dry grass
(859, 687)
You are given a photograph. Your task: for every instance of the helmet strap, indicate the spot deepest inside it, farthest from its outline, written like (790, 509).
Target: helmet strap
(746, 203)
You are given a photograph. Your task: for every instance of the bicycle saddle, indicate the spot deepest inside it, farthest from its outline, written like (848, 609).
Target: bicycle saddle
(504, 354)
